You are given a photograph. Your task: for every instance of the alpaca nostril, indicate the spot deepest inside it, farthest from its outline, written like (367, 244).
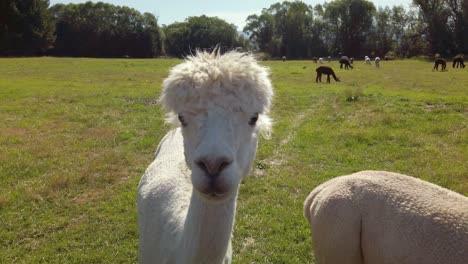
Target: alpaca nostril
(213, 167)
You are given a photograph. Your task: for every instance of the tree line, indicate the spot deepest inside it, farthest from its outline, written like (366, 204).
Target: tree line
(357, 27)
(292, 29)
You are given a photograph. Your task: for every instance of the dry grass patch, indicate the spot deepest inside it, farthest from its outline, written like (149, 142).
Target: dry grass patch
(3, 201)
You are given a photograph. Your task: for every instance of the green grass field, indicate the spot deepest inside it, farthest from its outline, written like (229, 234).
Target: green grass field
(77, 134)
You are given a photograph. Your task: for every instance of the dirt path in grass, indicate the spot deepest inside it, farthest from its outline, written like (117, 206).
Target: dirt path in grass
(278, 157)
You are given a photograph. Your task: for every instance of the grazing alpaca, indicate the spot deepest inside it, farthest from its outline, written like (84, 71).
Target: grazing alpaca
(283, 58)
(458, 61)
(329, 59)
(320, 61)
(325, 70)
(345, 61)
(314, 59)
(187, 196)
(377, 62)
(367, 59)
(384, 217)
(351, 60)
(440, 61)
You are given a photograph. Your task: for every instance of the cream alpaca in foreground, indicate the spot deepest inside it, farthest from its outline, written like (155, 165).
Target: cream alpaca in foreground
(379, 217)
(187, 196)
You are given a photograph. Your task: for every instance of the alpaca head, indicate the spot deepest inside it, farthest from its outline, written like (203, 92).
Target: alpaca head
(221, 103)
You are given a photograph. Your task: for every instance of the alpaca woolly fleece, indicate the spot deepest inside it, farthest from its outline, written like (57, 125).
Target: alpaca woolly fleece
(377, 62)
(387, 218)
(231, 79)
(187, 197)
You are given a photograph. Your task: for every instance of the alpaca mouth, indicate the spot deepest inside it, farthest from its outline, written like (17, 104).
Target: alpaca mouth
(213, 194)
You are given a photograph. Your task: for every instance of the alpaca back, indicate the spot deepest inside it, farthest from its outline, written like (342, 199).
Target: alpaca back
(430, 221)
(387, 218)
(325, 70)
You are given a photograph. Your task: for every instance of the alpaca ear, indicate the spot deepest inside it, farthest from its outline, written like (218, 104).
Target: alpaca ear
(172, 119)
(264, 124)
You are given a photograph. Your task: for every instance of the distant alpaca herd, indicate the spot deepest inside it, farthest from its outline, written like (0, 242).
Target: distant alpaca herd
(219, 106)
(347, 62)
(457, 63)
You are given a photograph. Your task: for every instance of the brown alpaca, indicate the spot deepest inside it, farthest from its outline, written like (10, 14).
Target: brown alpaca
(440, 61)
(458, 61)
(325, 70)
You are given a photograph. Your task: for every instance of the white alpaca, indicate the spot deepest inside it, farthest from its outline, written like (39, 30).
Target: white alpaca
(367, 59)
(187, 196)
(320, 61)
(329, 59)
(389, 218)
(377, 62)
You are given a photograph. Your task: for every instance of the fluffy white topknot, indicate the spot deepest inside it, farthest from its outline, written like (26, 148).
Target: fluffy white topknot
(234, 81)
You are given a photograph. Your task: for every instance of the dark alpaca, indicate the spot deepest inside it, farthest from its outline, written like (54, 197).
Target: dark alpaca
(325, 70)
(458, 61)
(314, 59)
(347, 63)
(440, 61)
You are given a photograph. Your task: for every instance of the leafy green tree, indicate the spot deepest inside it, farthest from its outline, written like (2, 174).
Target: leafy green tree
(155, 35)
(200, 32)
(351, 21)
(383, 32)
(287, 28)
(398, 24)
(243, 42)
(436, 17)
(298, 32)
(414, 39)
(207, 32)
(458, 24)
(465, 26)
(261, 31)
(177, 38)
(104, 30)
(26, 27)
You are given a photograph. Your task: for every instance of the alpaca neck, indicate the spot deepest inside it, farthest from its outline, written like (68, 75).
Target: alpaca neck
(207, 230)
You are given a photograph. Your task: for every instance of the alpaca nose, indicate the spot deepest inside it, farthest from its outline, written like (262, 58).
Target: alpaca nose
(213, 166)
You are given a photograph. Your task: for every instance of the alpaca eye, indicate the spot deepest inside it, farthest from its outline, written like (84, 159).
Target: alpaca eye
(253, 119)
(182, 120)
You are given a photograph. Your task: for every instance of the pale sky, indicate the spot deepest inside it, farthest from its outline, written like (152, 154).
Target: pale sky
(235, 12)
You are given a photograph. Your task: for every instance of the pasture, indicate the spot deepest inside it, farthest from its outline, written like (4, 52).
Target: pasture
(77, 134)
